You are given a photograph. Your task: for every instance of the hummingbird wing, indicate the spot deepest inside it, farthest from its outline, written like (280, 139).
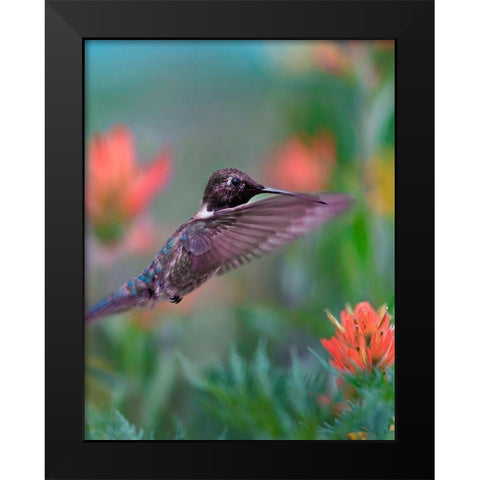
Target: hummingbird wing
(234, 236)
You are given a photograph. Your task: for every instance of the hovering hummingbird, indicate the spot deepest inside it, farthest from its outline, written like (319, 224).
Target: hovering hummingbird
(225, 233)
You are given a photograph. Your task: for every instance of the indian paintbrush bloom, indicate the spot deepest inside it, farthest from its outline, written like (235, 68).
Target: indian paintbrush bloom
(118, 188)
(364, 340)
(304, 165)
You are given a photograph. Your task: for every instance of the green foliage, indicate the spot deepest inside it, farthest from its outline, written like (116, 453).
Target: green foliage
(257, 400)
(372, 411)
(111, 425)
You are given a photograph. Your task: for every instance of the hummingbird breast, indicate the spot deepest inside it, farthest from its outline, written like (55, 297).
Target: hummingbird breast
(175, 262)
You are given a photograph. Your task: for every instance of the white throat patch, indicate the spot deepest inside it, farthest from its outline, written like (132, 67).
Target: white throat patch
(203, 213)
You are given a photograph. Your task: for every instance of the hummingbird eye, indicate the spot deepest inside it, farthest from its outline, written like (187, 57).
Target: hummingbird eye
(235, 181)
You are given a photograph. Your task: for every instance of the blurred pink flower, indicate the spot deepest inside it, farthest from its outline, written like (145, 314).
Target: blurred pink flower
(303, 166)
(332, 57)
(142, 237)
(117, 188)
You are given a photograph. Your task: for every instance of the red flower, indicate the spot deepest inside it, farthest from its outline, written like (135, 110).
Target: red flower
(117, 187)
(302, 166)
(363, 341)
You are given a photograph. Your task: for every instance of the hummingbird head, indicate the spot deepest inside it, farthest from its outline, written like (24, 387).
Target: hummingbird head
(228, 188)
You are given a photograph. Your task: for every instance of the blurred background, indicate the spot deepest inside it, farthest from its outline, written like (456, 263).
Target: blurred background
(160, 117)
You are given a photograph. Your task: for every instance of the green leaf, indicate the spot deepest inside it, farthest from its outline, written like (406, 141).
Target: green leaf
(111, 425)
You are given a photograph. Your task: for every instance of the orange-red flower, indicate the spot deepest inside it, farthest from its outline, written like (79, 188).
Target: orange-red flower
(363, 341)
(117, 187)
(303, 166)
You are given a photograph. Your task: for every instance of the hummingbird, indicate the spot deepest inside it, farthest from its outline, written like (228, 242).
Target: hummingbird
(226, 232)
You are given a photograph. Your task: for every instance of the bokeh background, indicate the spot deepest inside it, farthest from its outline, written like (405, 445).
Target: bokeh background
(160, 117)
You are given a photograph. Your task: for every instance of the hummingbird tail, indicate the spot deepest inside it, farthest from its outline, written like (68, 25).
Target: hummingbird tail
(119, 301)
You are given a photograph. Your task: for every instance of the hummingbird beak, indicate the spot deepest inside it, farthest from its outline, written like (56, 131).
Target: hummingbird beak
(292, 194)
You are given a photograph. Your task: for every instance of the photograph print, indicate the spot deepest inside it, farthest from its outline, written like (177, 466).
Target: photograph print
(239, 239)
